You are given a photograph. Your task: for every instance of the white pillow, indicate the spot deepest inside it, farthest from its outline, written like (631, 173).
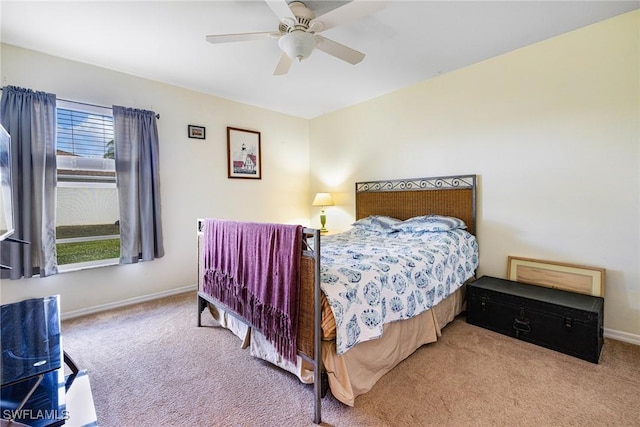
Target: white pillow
(378, 223)
(430, 223)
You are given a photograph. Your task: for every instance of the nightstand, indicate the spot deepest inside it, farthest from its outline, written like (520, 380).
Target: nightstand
(330, 232)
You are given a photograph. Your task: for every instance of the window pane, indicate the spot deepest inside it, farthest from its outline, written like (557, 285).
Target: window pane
(84, 134)
(87, 213)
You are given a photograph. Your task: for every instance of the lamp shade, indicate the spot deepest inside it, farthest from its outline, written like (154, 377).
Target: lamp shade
(298, 44)
(323, 199)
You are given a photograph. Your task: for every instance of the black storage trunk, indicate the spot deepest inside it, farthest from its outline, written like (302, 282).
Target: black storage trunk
(564, 321)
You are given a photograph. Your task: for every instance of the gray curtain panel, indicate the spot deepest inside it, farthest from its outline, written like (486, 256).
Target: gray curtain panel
(30, 119)
(138, 181)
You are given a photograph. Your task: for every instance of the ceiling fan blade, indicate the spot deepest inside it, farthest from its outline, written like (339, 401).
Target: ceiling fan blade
(283, 65)
(338, 50)
(280, 8)
(240, 37)
(350, 12)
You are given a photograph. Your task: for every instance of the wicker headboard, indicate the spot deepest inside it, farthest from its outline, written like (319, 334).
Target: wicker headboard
(406, 198)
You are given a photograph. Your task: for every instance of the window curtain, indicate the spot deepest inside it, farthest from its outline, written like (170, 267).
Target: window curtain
(138, 181)
(30, 119)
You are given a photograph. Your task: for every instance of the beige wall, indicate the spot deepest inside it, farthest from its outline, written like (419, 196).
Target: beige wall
(552, 131)
(193, 175)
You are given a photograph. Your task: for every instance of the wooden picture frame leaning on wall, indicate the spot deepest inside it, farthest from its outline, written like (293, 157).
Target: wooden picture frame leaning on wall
(568, 277)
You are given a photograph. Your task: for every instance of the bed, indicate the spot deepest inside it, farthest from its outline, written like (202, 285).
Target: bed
(352, 351)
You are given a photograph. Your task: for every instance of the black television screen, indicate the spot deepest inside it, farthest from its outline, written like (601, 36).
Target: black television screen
(6, 199)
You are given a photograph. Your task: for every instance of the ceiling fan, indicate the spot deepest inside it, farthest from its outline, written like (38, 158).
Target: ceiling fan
(298, 30)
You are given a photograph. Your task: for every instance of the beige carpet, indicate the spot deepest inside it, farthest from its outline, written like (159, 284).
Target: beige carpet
(150, 365)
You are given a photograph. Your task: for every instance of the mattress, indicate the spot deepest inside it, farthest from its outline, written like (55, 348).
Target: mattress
(373, 278)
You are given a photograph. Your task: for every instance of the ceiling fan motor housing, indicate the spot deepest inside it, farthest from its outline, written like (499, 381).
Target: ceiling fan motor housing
(303, 14)
(298, 41)
(303, 19)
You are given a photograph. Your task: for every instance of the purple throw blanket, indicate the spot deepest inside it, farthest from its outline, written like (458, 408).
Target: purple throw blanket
(254, 269)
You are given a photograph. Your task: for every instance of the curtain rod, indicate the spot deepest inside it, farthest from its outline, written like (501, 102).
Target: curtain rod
(88, 104)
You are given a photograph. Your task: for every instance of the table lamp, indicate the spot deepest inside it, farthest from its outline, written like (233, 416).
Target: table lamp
(323, 199)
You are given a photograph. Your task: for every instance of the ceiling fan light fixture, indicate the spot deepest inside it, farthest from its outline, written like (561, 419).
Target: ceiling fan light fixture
(298, 44)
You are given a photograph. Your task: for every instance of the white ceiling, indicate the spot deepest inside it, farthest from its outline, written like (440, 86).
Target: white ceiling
(406, 42)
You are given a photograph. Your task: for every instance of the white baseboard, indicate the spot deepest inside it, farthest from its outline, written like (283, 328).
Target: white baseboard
(124, 303)
(622, 336)
(608, 333)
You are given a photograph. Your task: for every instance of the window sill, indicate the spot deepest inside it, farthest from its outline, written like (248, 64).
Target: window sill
(88, 265)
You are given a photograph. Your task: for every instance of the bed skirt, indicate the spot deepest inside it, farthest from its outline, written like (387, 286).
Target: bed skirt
(356, 371)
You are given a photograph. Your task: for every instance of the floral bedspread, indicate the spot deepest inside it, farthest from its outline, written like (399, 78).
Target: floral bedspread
(372, 278)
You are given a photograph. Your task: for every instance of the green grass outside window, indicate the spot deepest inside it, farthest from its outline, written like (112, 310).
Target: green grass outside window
(95, 250)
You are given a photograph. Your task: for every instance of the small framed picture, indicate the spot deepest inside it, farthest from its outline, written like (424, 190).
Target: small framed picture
(243, 153)
(196, 132)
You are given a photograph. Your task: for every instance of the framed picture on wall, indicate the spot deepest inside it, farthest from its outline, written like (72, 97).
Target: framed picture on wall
(243, 153)
(197, 132)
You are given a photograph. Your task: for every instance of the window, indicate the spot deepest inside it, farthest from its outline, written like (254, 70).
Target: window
(87, 212)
